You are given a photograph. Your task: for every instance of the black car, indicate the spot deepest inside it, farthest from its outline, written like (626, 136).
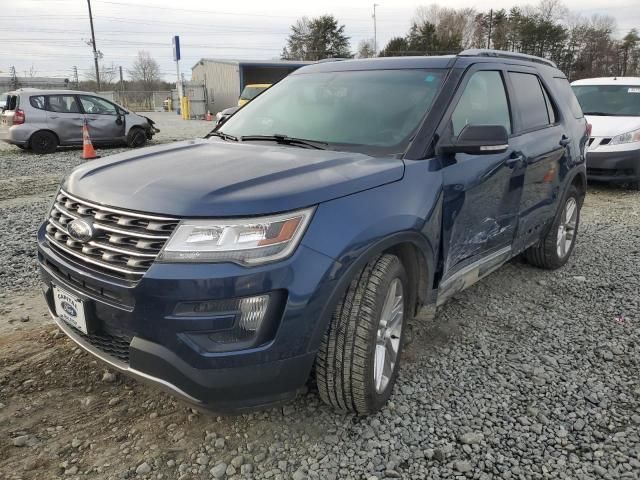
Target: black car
(302, 235)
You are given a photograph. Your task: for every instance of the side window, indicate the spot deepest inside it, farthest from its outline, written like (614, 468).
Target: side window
(97, 106)
(550, 108)
(483, 102)
(567, 92)
(37, 102)
(62, 104)
(530, 100)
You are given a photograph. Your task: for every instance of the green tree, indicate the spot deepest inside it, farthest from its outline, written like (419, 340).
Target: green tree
(395, 47)
(317, 38)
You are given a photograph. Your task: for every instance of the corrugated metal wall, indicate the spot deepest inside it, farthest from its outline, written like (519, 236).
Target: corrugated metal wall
(222, 81)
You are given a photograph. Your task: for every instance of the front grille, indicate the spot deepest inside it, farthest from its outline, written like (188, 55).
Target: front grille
(125, 243)
(611, 172)
(113, 345)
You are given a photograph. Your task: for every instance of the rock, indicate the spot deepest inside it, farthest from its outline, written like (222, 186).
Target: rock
(24, 318)
(71, 471)
(578, 425)
(219, 471)
(108, 377)
(231, 471)
(237, 461)
(462, 466)
(219, 443)
(246, 469)
(471, 438)
(580, 278)
(75, 443)
(24, 441)
(143, 468)
(114, 401)
(202, 459)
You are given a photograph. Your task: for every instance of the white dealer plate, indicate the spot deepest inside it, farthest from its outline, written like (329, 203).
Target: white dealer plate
(69, 308)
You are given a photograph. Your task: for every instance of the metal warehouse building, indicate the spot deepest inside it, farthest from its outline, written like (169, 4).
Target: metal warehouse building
(225, 79)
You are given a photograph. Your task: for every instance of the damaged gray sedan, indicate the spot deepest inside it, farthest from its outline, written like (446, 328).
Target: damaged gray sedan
(42, 120)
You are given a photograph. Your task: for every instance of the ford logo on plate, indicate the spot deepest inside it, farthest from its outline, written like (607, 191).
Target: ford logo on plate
(69, 309)
(81, 230)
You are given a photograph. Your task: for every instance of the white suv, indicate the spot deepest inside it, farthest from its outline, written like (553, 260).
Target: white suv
(612, 106)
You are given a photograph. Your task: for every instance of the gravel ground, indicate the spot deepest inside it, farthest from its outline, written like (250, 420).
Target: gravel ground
(527, 375)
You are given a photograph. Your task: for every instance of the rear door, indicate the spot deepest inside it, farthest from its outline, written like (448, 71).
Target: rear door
(481, 192)
(106, 123)
(64, 117)
(542, 140)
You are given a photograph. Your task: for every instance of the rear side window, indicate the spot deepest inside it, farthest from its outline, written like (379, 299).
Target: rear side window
(530, 100)
(62, 104)
(483, 102)
(12, 102)
(37, 102)
(567, 93)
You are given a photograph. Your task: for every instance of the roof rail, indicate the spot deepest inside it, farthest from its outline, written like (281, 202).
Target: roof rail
(486, 52)
(332, 59)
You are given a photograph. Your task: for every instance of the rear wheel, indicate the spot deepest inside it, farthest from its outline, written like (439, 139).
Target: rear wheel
(136, 138)
(359, 357)
(43, 142)
(555, 248)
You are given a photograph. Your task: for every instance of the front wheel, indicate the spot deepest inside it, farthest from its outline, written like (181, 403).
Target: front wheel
(359, 357)
(555, 248)
(136, 137)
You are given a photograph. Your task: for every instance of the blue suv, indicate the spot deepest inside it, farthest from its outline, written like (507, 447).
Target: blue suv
(302, 235)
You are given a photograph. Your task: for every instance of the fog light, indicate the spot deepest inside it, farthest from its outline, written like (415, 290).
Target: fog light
(252, 310)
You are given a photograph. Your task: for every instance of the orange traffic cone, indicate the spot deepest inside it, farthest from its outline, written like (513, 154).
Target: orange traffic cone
(209, 118)
(88, 152)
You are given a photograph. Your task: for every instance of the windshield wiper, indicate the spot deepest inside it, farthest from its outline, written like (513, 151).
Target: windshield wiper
(285, 140)
(222, 135)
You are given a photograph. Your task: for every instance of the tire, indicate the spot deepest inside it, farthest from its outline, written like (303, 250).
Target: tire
(43, 142)
(136, 138)
(345, 368)
(554, 249)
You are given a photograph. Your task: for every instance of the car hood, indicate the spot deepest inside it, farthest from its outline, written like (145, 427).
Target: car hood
(211, 177)
(611, 126)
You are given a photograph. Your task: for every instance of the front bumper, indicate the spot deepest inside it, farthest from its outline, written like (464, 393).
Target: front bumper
(614, 166)
(136, 331)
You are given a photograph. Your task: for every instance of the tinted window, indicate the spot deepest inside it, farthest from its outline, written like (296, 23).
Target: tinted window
(530, 100)
(369, 110)
(567, 93)
(550, 108)
(62, 104)
(37, 102)
(610, 100)
(12, 102)
(483, 102)
(98, 106)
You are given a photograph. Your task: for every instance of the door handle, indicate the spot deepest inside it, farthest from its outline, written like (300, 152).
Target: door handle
(564, 141)
(514, 161)
(53, 116)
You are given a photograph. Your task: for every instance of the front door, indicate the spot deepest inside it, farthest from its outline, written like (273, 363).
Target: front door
(481, 192)
(106, 122)
(64, 118)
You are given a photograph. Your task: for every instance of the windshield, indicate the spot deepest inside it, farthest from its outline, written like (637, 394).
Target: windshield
(614, 100)
(359, 110)
(249, 93)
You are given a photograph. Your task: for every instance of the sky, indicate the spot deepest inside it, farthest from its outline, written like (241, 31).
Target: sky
(49, 37)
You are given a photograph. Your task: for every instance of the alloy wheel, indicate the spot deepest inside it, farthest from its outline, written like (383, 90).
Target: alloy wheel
(388, 336)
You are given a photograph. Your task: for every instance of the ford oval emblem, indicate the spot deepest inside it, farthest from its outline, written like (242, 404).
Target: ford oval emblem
(81, 229)
(69, 309)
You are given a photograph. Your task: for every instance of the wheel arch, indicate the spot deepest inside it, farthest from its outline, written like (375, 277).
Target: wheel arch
(418, 258)
(43, 130)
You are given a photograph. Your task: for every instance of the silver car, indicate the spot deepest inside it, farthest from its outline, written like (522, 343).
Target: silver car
(43, 119)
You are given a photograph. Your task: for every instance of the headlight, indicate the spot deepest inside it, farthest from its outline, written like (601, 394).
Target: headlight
(629, 137)
(247, 241)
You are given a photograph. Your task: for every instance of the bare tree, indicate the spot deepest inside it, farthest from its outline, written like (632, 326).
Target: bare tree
(452, 26)
(366, 49)
(145, 70)
(107, 74)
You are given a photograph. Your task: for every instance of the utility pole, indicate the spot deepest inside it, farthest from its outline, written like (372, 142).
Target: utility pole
(121, 86)
(375, 30)
(490, 24)
(93, 44)
(14, 77)
(76, 81)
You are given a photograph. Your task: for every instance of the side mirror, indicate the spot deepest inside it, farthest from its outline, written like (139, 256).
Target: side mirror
(479, 140)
